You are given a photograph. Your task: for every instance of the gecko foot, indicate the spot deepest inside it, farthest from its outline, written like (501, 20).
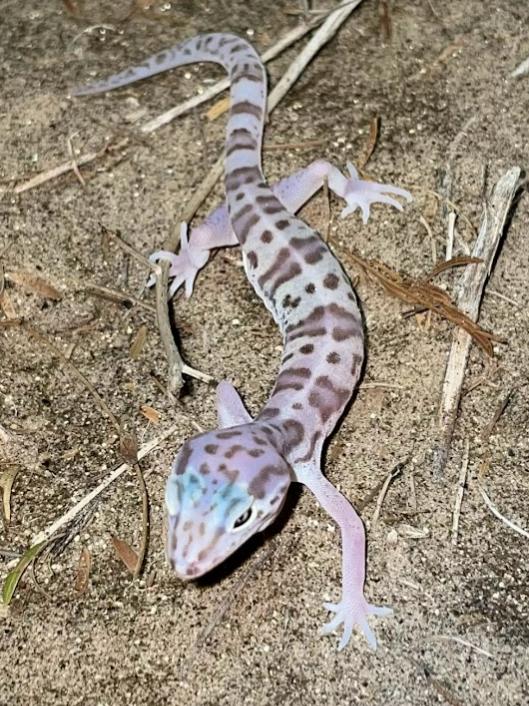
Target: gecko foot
(361, 194)
(184, 266)
(351, 613)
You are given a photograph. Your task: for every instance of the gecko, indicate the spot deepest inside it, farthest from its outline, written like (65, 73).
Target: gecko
(229, 483)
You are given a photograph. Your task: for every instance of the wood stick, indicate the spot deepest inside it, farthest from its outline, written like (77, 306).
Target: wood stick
(468, 300)
(460, 493)
(174, 359)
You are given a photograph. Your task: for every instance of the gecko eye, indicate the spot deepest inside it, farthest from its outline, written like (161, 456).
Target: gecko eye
(243, 519)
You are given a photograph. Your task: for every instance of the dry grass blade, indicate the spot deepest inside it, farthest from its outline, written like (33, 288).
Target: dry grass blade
(7, 478)
(66, 167)
(83, 571)
(460, 493)
(126, 553)
(114, 295)
(374, 128)
(14, 576)
(138, 344)
(509, 523)
(453, 262)
(500, 409)
(34, 284)
(424, 295)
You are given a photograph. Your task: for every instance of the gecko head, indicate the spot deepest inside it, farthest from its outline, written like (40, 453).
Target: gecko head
(224, 486)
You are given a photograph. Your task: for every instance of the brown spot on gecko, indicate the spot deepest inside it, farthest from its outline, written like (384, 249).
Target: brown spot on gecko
(242, 232)
(287, 357)
(293, 271)
(301, 243)
(238, 47)
(295, 433)
(330, 281)
(183, 460)
(310, 333)
(266, 236)
(297, 405)
(246, 75)
(288, 302)
(251, 256)
(282, 224)
(281, 258)
(247, 107)
(310, 288)
(160, 58)
(314, 399)
(242, 175)
(211, 448)
(204, 469)
(260, 441)
(255, 453)
(242, 212)
(307, 348)
(230, 453)
(240, 146)
(342, 334)
(312, 446)
(315, 255)
(333, 358)
(258, 485)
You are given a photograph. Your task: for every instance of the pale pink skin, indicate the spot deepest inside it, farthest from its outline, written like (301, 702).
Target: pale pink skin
(227, 484)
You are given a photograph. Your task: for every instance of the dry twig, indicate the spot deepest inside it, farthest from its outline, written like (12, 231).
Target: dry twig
(469, 298)
(460, 492)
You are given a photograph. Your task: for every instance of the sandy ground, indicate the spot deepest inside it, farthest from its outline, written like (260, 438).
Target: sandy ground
(452, 122)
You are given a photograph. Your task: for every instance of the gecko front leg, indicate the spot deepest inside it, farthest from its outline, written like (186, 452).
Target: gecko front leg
(293, 192)
(353, 609)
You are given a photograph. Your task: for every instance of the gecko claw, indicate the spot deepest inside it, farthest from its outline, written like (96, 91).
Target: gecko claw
(361, 194)
(350, 614)
(184, 265)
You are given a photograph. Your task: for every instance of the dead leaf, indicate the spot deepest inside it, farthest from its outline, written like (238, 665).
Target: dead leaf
(83, 571)
(138, 343)
(152, 415)
(126, 553)
(6, 482)
(34, 284)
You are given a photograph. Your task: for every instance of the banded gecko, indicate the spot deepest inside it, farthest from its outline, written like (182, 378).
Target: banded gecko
(225, 485)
